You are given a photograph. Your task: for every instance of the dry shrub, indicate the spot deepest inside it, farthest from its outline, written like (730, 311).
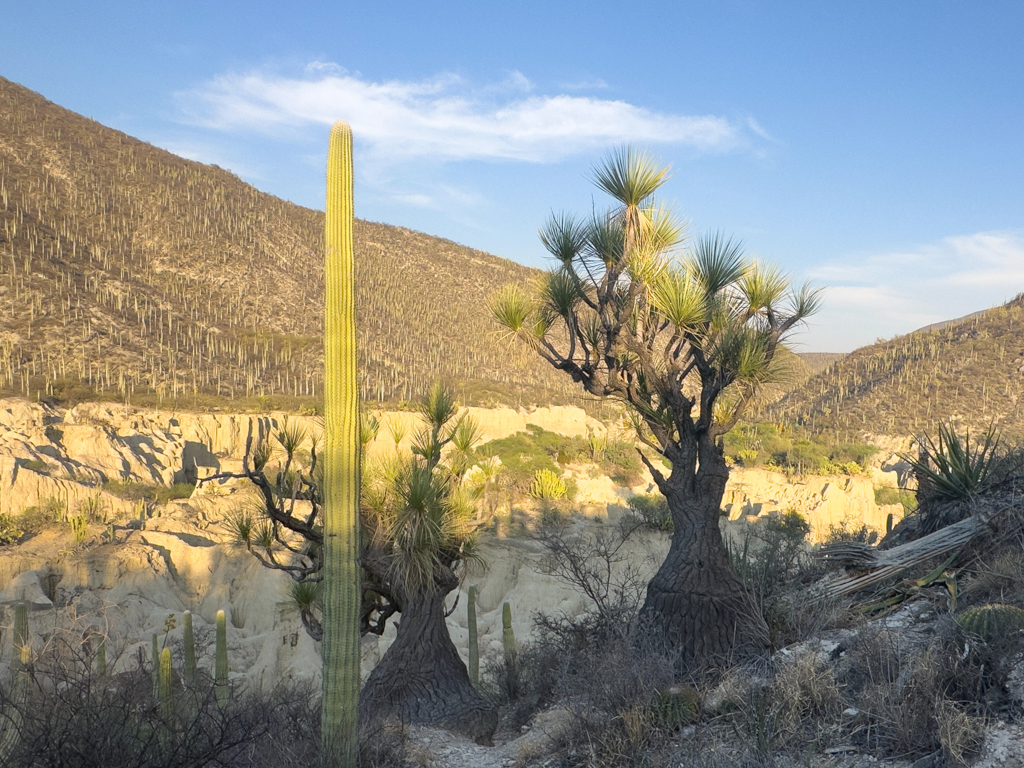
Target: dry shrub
(67, 715)
(798, 710)
(807, 701)
(959, 734)
(1000, 580)
(917, 698)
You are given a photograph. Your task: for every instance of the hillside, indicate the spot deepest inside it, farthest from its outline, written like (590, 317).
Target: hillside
(971, 369)
(128, 271)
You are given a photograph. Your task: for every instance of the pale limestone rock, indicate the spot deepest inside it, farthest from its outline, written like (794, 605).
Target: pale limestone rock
(26, 588)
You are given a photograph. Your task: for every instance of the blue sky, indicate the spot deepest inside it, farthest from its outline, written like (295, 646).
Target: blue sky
(876, 148)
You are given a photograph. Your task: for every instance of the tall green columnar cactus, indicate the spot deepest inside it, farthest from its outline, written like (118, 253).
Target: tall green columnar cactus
(190, 648)
(508, 637)
(342, 593)
(20, 654)
(474, 648)
(220, 670)
(166, 703)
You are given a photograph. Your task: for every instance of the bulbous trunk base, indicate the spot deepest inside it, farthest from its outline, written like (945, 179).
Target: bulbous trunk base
(696, 605)
(422, 681)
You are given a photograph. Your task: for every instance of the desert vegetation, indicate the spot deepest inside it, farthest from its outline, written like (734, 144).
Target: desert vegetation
(125, 271)
(685, 344)
(968, 369)
(129, 273)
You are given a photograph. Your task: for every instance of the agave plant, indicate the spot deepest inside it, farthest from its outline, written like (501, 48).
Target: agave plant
(950, 467)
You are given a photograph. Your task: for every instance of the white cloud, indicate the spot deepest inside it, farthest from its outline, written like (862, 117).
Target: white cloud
(585, 85)
(882, 295)
(445, 117)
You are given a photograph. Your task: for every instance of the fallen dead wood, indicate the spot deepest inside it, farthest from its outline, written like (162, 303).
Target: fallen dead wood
(885, 564)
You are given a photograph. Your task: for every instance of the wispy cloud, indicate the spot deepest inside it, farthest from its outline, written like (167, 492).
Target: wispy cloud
(446, 117)
(876, 295)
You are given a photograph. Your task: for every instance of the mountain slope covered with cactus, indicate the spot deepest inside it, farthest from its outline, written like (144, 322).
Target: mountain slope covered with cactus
(970, 370)
(126, 271)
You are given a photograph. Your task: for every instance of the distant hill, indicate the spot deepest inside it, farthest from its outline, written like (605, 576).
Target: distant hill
(125, 270)
(819, 361)
(970, 369)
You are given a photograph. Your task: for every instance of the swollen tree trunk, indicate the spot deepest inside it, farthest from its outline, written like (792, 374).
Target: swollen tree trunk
(422, 681)
(696, 604)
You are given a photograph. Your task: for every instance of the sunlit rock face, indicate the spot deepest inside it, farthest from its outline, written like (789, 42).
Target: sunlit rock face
(135, 581)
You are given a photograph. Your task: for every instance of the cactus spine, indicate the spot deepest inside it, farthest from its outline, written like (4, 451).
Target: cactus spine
(190, 648)
(20, 654)
(340, 649)
(474, 648)
(166, 705)
(221, 664)
(508, 637)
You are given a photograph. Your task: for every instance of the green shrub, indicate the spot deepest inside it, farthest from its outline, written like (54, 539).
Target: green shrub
(653, 510)
(10, 531)
(151, 492)
(793, 449)
(36, 465)
(888, 495)
(748, 457)
(522, 455)
(622, 463)
(52, 510)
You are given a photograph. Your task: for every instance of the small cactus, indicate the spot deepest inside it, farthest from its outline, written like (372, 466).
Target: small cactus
(78, 527)
(221, 666)
(190, 648)
(166, 703)
(474, 648)
(508, 637)
(156, 666)
(22, 648)
(990, 622)
(101, 656)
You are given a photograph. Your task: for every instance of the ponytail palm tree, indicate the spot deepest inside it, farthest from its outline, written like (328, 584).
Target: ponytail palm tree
(418, 528)
(684, 333)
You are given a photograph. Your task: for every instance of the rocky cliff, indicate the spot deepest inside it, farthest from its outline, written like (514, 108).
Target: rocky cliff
(130, 579)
